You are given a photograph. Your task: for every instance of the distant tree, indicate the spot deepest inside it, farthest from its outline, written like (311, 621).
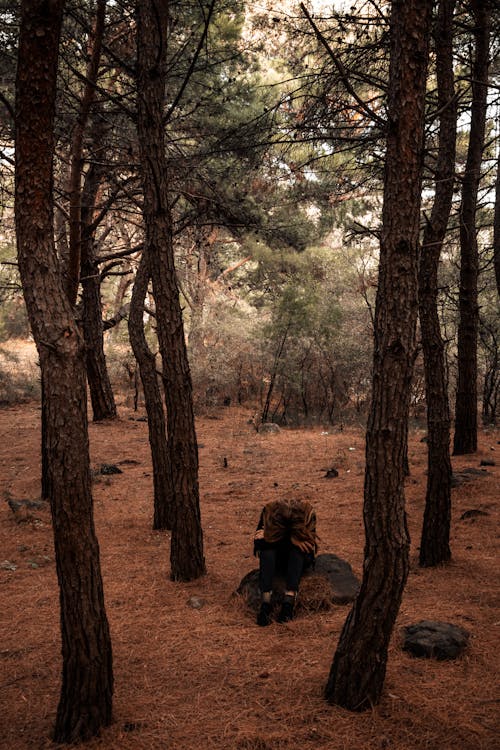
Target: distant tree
(496, 228)
(465, 437)
(434, 544)
(162, 470)
(358, 671)
(187, 560)
(87, 684)
(101, 392)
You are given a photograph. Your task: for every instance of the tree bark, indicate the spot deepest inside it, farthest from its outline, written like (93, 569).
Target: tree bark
(101, 392)
(186, 553)
(87, 681)
(75, 180)
(162, 474)
(496, 227)
(465, 437)
(358, 670)
(435, 540)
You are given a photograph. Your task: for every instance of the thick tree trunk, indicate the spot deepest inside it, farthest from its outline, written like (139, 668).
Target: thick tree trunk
(186, 555)
(162, 475)
(435, 541)
(357, 674)
(465, 438)
(87, 684)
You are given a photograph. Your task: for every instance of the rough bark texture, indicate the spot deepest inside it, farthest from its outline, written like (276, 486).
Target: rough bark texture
(162, 475)
(101, 392)
(496, 228)
(465, 437)
(87, 682)
(186, 555)
(357, 674)
(75, 180)
(435, 541)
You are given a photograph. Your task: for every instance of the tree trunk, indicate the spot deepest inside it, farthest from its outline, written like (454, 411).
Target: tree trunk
(162, 475)
(186, 554)
(101, 392)
(357, 674)
(435, 541)
(75, 180)
(87, 683)
(465, 438)
(496, 227)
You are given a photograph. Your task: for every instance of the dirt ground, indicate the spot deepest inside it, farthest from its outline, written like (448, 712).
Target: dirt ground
(210, 678)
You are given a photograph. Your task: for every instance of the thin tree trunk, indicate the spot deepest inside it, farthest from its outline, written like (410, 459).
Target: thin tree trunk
(87, 682)
(101, 392)
(162, 474)
(75, 180)
(435, 541)
(465, 437)
(496, 225)
(186, 552)
(358, 671)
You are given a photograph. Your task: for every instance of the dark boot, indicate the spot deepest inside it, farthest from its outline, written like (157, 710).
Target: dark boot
(264, 616)
(286, 612)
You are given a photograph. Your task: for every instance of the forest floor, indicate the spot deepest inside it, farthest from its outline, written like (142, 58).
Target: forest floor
(210, 678)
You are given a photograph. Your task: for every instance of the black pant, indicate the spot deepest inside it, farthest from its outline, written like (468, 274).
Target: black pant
(289, 561)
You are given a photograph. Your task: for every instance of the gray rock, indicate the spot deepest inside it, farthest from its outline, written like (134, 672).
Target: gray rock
(473, 513)
(269, 427)
(332, 473)
(8, 565)
(107, 469)
(438, 640)
(196, 602)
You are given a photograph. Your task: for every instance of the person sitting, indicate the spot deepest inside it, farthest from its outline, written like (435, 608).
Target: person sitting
(286, 543)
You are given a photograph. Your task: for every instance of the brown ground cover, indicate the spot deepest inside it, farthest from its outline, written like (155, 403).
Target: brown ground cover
(210, 678)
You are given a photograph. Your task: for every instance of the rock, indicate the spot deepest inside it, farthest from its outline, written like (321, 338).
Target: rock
(473, 513)
(8, 565)
(487, 462)
(331, 473)
(339, 573)
(196, 602)
(432, 639)
(268, 427)
(466, 475)
(26, 510)
(110, 469)
(331, 581)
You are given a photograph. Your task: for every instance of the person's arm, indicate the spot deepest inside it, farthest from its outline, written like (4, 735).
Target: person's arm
(258, 538)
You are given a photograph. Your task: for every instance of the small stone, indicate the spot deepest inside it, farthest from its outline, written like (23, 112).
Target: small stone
(473, 513)
(110, 469)
(196, 602)
(269, 427)
(8, 565)
(487, 462)
(331, 473)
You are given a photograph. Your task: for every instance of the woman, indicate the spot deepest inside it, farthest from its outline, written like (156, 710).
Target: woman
(286, 543)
